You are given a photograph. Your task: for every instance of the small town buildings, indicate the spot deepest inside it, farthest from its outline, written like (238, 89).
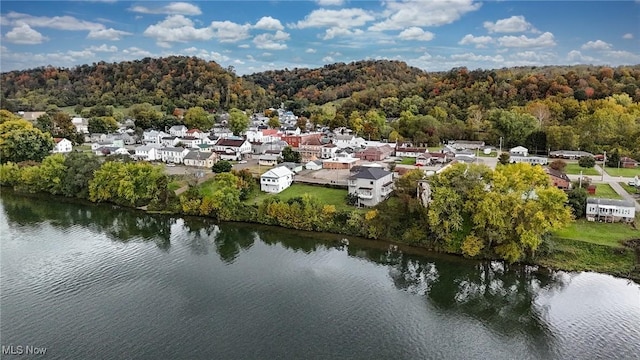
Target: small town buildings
(152, 136)
(150, 152)
(559, 179)
(371, 185)
(610, 210)
(170, 141)
(569, 154)
(533, 160)
(432, 158)
(276, 180)
(294, 167)
(410, 152)
(294, 140)
(232, 148)
(340, 163)
(196, 133)
(466, 144)
(627, 162)
(173, 154)
(111, 150)
(31, 116)
(268, 160)
(519, 151)
(328, 151)
(62, 145)
(313, 165)
(190, 141)
(200, 159)
(81, 124)
(377, 153)
(178, 130)
(310, 148)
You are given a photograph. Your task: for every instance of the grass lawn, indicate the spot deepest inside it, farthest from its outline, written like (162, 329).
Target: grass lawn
(605, 191)
(435, 148)
(174, 185)
(598, 233)
(492, 154)
(408, 161)
(574, 169)
(324, 195)
(623, 172)
(628, 188)
(208, 187)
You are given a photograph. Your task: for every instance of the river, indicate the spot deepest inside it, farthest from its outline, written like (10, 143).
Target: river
(99, 282)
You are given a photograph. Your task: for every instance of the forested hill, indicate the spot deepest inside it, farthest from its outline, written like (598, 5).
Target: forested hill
(179, 81)
(336, 81)
(389, 86)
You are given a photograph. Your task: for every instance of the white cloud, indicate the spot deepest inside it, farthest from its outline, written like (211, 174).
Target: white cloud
(544, 40)
(81, 54)
(176, 28)
(596, 45)
(23, 34)
(474, 57)
(238, 61)
(56, 22)
(416, 33)
(328, 59)
(330, 2)
(227, 31)
(268, 23)
(622, 56)
(627, 36)
(404, 14)
(344, 18)
(107, 34)
(537, 57)
(174, 8)
(103, 48)
(478, 41)
(244, 46)
(271, 41)
(336, 32)
(137, 52)
(513, 24)
(310, 51)
(576, 56)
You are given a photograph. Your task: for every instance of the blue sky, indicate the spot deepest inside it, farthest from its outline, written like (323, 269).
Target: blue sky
(254, 36)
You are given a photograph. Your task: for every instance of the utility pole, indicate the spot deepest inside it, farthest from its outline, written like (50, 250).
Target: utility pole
(500, 145)
(580, 178)
(604, 162)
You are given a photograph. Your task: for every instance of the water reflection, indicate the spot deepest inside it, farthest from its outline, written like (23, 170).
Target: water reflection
(502, 298)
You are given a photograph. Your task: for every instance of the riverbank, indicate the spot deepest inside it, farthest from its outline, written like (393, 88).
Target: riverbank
(556, 253)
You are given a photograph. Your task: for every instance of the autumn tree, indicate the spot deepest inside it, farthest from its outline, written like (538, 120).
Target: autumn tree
(145, 116)
(273, 122)
(559, 165)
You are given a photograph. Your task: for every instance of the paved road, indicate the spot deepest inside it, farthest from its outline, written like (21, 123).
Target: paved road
(613, 181)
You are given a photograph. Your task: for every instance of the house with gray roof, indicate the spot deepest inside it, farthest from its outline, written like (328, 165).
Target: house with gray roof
(610, 210)
(276, 180)
(371, 185)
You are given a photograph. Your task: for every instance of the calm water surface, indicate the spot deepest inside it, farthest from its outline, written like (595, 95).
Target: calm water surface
(96, 282)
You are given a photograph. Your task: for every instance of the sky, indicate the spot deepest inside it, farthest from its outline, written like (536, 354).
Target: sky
(253, 36)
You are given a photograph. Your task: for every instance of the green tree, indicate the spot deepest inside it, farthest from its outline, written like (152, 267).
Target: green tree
(44, 123)
(145, 116)
(587, 162)
(577, 200)
(198, 118)
(504, 158)
(613, 159)
(273, 122)
(129, 184)
(221, 166)
(102, 125)
(20, 141)
(289, 155)
(80, 168)
(52, 174)
(238, 121)
(514, 126)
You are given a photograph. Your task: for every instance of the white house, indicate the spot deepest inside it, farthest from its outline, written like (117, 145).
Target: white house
(371, 184)
(62, 146)
(519, 151)
(276, 180)
(153, 137)
(81, 124)
(268, 160)
(178, 130)
(200, 159)
(170, 140)
(173, 154)
(313, 165)
(610, 210)
(328, 151)
(410, 152)
(150, 152)
(190, 141)
(533, 160)
(235, 147)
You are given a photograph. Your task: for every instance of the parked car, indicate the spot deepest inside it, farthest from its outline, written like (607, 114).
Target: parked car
(171, 164)
(242, 162)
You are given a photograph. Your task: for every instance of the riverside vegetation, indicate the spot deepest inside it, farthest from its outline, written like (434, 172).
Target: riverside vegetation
(508, 213)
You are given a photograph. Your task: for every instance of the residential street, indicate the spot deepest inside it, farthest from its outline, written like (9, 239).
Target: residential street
(613, 182)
